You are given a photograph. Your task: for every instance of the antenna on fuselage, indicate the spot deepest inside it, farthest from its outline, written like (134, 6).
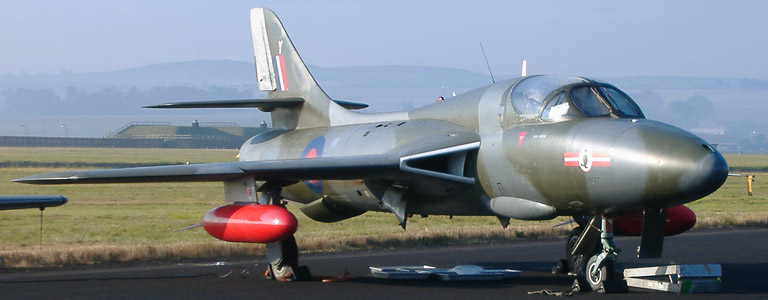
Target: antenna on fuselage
(486, 63)
(524, 71)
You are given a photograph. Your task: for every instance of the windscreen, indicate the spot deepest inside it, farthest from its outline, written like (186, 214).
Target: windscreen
(621, 103)
(557, 109)
(585, 99)
(527, 96)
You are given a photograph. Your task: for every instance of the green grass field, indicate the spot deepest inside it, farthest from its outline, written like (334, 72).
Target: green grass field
(137, 221)
(89, 156)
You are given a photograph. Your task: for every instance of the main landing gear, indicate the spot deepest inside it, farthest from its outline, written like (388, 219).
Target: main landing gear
(283, 256)
(591, 254)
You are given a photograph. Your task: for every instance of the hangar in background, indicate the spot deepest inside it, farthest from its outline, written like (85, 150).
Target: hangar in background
(197, 135)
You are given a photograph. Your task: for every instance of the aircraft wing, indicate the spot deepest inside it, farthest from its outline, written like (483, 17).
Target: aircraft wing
(410, 168)
(358, 167)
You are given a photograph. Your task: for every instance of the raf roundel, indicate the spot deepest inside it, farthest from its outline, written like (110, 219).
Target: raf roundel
(314, 149)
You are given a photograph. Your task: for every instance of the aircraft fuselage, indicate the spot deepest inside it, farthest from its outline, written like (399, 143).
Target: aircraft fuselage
(577, 166)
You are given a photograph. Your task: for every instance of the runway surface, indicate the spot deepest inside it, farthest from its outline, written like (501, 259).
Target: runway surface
(743, 255)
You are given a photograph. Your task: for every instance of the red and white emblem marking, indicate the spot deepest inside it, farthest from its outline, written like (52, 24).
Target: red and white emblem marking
(586, 159)
(282, 80)
(520, 137)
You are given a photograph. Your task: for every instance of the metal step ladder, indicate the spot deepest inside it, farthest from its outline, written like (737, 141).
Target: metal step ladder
(680, 279)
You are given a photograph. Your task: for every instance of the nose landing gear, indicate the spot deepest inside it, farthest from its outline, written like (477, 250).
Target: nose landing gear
(591, 261)
(600, 273)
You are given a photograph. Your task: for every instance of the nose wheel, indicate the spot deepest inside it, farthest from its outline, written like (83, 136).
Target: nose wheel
(598, 275)
(600, 272)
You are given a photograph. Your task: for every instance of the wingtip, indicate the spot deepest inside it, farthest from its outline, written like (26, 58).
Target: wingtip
(45, 178)
(164, 105)
(24, 179)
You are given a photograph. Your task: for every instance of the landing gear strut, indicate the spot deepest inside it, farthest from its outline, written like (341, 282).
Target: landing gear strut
(600, 273)
(577, 262)
(593, 261)
(283, 259)
(283, 256)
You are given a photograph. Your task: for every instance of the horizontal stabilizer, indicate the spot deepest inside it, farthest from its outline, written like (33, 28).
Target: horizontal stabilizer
(350, 105)
(262, 104)
(19, 202)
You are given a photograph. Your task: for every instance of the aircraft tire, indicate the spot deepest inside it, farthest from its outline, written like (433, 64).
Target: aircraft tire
(598, 281)
(284, 270)
(576, 263)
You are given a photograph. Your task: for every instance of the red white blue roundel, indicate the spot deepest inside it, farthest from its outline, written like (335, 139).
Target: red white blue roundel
(313, 150)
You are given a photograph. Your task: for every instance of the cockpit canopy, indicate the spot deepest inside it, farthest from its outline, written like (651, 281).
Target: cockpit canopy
(558, 98)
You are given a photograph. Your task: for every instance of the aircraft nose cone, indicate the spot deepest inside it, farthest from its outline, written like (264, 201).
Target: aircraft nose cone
(688, 168)
(711, 172)
(666, 165)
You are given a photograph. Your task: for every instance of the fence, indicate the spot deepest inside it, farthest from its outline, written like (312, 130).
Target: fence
(194, 142)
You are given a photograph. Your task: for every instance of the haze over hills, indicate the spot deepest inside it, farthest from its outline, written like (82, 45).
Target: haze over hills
(92, 104)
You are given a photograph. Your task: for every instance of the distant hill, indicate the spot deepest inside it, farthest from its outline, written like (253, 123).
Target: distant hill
(237, 74)
(191, 73)
(202, 73)
(712, 105)
(390, 87)
(689, 83)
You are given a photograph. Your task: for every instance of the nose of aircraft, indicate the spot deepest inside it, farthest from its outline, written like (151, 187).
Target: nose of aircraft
(707, 176)
(681, 167)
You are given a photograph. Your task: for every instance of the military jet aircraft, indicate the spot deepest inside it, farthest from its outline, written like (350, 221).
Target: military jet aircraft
(529, 148)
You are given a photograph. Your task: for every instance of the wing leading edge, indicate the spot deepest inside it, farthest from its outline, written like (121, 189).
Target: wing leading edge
(325, 168)
(416, 170)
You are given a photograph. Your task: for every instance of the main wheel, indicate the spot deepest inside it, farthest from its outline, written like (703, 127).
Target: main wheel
(577, 263)
(285, 273)
(596, 277)
(284, 269)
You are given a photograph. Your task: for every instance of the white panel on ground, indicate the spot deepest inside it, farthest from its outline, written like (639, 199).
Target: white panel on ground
(680, 279)
(458, 273)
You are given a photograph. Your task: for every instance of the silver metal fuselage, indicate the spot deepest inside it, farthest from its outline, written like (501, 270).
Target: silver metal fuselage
(578, 166)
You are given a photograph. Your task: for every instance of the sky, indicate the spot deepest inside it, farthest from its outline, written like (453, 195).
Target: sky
(589, 37)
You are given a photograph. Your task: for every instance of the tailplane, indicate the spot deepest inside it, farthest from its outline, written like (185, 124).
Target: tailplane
(294, 99)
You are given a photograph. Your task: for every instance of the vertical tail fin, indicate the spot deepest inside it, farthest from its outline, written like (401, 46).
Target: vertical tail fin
(281, 72)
